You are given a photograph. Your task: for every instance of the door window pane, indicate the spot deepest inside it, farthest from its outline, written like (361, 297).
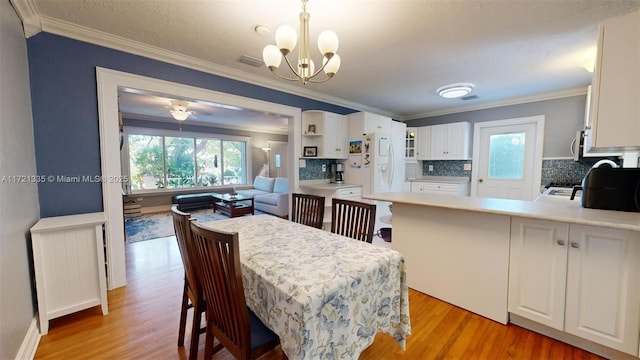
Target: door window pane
(180, 162)
(146, 163)
(506, 156)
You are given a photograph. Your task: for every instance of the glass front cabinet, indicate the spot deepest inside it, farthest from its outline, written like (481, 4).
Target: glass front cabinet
(410, 143)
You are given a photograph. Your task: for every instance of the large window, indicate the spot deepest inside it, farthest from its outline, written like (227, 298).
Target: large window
(175, 162)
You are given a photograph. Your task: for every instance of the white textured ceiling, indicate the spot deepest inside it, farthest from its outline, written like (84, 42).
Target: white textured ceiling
(395, 54)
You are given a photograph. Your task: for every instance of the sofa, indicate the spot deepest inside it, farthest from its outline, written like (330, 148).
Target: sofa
(270, 195)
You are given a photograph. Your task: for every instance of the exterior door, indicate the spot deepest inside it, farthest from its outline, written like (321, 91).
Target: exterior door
(507, 158)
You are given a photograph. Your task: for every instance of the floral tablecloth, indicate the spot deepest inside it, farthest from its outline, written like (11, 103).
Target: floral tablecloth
(325, 295)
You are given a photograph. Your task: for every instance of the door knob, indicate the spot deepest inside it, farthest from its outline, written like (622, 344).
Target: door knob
(480, 180)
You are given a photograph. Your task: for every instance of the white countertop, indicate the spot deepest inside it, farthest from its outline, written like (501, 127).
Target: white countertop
(443, 179)
(569, 212)
(327, 186)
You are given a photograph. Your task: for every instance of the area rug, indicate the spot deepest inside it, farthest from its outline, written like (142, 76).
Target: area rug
(159, 225)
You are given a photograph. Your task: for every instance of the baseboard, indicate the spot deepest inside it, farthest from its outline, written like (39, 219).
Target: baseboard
(30, 342)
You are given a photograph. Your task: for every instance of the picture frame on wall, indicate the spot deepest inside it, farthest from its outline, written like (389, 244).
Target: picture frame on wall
(310, 151)
(311, 130)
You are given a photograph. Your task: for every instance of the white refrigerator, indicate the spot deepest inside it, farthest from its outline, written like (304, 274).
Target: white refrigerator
(376, 161)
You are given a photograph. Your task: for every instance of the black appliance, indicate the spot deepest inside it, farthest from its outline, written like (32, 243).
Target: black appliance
(612, 189)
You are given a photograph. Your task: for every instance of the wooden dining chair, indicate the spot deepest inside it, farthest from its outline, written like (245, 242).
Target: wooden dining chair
(228, 318)
(353, 219)
(192, 295)
(307, 209)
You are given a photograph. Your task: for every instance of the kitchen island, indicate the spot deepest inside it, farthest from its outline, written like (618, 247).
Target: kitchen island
(526, 262)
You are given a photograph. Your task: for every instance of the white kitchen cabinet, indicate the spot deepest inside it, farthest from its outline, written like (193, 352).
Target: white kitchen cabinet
(330, 191)
(603, 286)
(435, 187)
(329, 134)
(615, 114)
(451, 141)
(417, 186)
(537, 270)
(365, 122)
(423, 151)
(69, 265)
(579, 279)
(410, 143)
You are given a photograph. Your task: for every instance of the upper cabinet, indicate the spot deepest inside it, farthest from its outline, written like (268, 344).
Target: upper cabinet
(410, 143)
(423, 150)
(615, 114)
(451, 141)
(365, 122)
(325, 131)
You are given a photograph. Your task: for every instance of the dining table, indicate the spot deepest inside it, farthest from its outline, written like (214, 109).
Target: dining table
(325, 295)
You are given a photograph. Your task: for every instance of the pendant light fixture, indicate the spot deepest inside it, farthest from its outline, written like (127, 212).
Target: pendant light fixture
(286, 39)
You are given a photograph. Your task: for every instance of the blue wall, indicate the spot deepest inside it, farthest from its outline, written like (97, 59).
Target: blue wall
(65, 112)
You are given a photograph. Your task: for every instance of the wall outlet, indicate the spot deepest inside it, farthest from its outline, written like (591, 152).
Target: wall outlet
(302, 163)
(430, 167)
(466, 167)
(324, 167)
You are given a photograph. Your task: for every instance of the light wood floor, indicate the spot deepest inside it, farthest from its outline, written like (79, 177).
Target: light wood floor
(143, 324)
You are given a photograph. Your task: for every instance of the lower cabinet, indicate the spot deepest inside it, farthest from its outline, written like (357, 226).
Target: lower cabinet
(440, 187)
(69, 265)
(346, 193)
(583, 280)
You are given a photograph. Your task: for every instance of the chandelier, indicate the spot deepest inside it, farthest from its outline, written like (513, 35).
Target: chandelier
(286, 39)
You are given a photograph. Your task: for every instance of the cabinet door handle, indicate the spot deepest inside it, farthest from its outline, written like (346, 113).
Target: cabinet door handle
(561, 242)
(575, 245)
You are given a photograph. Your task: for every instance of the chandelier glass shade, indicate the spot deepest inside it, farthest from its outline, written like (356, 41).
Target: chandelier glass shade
(286, 39)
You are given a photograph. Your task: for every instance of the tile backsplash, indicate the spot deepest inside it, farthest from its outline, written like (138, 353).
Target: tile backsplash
(565, 171)
(313, 169)
(446, 168)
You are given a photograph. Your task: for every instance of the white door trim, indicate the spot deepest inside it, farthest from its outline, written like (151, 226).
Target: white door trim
(537, 161)
(108, 82)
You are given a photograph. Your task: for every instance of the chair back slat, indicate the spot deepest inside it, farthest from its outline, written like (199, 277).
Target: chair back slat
(353, 219)
(307, 209)
(185, 245)
(218, 265)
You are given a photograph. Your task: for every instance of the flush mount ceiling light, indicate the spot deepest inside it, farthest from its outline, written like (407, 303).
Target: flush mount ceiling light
(455, 90)
(286, 39)
(179, 110)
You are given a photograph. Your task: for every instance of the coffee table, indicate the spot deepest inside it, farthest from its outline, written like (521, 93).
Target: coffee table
(233, 205)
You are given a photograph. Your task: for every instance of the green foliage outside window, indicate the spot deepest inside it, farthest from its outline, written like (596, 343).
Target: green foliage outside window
(158, 162)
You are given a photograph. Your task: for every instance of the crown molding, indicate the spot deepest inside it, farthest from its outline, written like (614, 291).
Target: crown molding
(34, 23)
(28, 14)
(582, 90)
(101, 38)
